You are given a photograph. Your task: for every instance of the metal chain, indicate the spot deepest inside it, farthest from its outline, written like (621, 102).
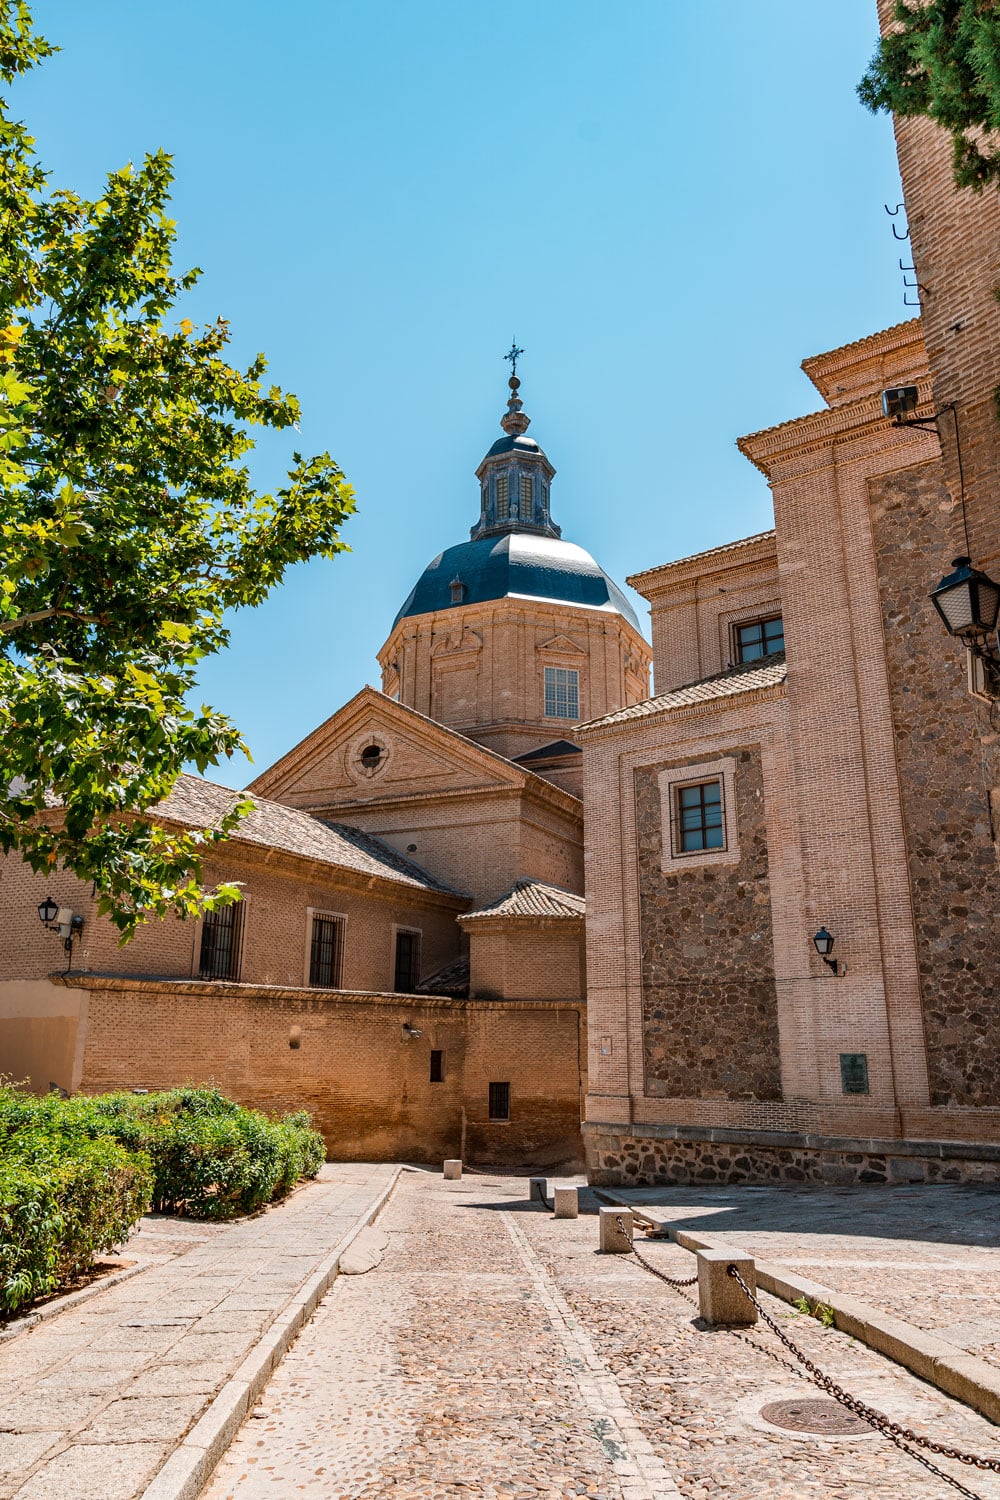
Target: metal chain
(541, 1193)
(869, 1414)
(890, 1430)
(670, 1280)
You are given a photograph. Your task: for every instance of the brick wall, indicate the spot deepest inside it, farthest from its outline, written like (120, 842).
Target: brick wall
(527, 958)
(366, 1085)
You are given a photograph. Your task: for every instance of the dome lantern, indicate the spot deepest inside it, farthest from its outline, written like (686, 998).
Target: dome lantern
(515, 475)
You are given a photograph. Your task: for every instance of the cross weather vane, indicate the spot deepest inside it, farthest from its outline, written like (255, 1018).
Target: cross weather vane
(513, 354)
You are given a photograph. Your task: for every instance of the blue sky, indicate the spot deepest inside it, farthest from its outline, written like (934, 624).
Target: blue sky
(670, 205)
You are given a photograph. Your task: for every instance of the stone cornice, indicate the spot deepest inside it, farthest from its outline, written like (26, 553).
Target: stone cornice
(685, 710)
(818, 430)
(750, 553)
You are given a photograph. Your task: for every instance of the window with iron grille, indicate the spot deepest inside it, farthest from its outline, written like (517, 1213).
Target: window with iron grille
(562, 693)
(699, 818)
(501, 497)
(525, 497)
(221, 942)
(499, 1101)
(759, 638)
(326, 952)
(407, 971)
(437, 1067)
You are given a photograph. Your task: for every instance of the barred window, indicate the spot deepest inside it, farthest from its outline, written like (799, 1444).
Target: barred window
(699, 817)
(326, 953)
(501, 497)
(407, 967)
(499, 1101)
(525, 497)
(562, 693)
(221, 942)
(759, 638)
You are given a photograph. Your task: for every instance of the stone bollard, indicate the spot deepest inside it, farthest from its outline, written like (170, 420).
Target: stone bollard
(538, 1189)
(452, 1169)
(613, 1242)
(567, 1203)
(721, 1299)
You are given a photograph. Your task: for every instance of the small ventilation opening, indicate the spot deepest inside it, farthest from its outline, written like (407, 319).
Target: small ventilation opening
(437, 1067)
(499, 1101)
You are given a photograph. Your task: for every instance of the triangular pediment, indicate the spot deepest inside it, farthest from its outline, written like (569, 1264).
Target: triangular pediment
(561, 645)
(374, 749)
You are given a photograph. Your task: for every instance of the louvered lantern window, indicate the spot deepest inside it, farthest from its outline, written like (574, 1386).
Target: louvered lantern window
(699, 818)
(221, 942)
(326, 953)
(502, 492)
(525, 497)
(562, 693)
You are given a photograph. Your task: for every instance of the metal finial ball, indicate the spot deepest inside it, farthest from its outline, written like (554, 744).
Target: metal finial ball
(514, 383)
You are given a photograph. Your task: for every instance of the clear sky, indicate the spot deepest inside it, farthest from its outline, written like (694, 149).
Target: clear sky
(668, 204)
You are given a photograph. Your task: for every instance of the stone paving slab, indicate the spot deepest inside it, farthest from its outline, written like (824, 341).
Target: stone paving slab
(927, 1254)
(493, 1353)
(93, 1401)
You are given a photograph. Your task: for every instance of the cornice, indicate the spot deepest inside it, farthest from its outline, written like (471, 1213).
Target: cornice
(685, 710)
(818, 430)
(751, 554)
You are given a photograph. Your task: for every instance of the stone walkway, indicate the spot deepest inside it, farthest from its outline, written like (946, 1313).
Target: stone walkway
(930, 1255)
(94, 1399)
(493, 1353)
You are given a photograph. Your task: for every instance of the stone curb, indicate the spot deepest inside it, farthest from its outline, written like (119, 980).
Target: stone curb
(71, 1299)
(968, 1378)
(186, 1472)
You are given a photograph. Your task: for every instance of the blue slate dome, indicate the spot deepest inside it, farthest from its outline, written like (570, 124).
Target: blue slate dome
(516, 551)
(515, 565)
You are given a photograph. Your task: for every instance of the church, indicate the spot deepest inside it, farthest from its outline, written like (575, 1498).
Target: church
(408, 958)
(516, 907)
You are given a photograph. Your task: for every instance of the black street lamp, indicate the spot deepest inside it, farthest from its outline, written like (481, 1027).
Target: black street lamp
(823, 943)
(968, 601)
(47, 910)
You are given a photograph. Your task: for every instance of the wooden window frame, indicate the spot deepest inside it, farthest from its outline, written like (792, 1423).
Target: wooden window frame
(762, 620)
(567, 718)
(673, 860)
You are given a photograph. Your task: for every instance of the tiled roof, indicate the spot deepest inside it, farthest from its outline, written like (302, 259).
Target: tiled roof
(721, 551)
(557, 748)
(748, 677)
(202, 804)
(530, 898)
(452, 979)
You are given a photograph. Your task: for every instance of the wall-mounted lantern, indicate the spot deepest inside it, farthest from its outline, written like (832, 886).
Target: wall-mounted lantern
(823, 943)
(968, 602)
(65, 921)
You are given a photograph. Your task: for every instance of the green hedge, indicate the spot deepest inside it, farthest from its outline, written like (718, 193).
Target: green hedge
(76, 1174)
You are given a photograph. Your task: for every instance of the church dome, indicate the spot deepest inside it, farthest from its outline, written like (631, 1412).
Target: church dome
(516, 565)
(516, 550)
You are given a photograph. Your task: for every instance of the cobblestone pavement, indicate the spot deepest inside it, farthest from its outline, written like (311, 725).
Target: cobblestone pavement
(92, 1400)
(492, 1352)
(930, 1255)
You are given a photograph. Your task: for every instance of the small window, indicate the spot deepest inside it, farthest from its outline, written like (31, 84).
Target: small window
(759, 638)
(437, 1067)
(407, 970)
(457, 590)
(501, 497)
(326, 953)
(562, 693)
(371, 757)
(525, 497)
(221, 942)
(499, 1101)
(699, 818)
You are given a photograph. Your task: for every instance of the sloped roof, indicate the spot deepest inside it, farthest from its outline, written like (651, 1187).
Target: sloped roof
(202, 804)
(747, 677)
(532, 898)
(452, 979)
(726, 548)
(557, 749)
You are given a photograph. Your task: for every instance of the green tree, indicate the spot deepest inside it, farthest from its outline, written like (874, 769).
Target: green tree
(944, 61)
(129, 527)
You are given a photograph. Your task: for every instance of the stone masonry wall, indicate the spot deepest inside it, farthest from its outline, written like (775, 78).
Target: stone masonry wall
(946, 814)
(710, 1020)
(637, 1160)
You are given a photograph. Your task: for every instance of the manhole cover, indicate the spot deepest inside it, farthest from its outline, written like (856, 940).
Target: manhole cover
(827, 1418)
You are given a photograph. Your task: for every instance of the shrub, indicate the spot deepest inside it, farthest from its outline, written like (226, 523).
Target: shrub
(77, 1174)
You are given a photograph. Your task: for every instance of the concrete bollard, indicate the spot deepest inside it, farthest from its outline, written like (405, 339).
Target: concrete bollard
(721, 1299)
(613, 1242)
(452, 1169)
(567, 1203)
(538, 1189)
